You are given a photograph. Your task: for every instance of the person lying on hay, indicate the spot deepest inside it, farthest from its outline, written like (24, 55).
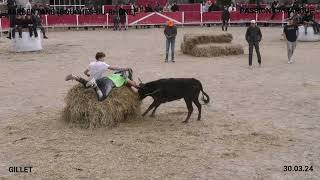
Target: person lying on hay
(104, 84)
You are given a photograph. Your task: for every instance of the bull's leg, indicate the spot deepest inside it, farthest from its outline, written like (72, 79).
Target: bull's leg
(149, 108)
(154, 110)
(197, 103)
(190, 109)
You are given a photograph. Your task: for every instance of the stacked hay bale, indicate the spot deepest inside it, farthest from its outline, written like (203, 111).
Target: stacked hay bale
(83, 108)
(208, 45)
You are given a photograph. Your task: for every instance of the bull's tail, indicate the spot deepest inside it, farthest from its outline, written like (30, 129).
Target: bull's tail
(205, 97)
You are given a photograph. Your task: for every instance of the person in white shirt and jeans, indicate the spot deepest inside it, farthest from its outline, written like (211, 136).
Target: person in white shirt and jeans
(102, 84)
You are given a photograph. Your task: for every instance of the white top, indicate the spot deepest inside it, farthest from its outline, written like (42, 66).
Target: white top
(97, 69)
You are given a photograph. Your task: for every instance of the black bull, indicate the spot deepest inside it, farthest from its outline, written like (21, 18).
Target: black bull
(166, 90)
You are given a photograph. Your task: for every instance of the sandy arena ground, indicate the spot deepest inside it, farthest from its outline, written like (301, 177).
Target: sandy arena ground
(257, 122)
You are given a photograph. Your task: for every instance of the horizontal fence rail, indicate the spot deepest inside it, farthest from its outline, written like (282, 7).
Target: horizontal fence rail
(155, 18)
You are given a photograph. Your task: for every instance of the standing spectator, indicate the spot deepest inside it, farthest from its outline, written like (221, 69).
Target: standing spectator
(123, 15)
(12, 5)
(148, 8)
(170, 32)
(158, 8)
(291, 32)
(225, 18)
(174, 7)
(232, 8)
(206, 6)
(253, 37)
(274, 6)
(116, 18)
(211, 7)
(132, 9)
(38, 24)
(28, 7)
(166, 7)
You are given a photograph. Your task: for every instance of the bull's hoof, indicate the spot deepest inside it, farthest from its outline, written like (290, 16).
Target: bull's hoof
(152, 115)
(185, 122)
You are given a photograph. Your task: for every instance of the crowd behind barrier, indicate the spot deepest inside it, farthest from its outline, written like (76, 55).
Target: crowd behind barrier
(188, 14)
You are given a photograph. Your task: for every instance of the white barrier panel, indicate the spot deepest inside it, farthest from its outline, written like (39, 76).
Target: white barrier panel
(310, 36)
(26, 43)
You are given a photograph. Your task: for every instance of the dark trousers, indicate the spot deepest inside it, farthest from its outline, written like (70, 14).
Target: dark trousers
(170, 43)
(225, 25)
(315, 26)
(42, 30)
(32, 29)
(256, 46)
(104, 85)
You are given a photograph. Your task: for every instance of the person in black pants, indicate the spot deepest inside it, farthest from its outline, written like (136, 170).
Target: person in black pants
(225, 18)
(123, 15)
(11, 4)
(274, 6)
(38, 24)
(253, 37)
(26, 22)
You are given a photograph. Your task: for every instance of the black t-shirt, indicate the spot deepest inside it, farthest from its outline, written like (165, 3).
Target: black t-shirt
(291, 32)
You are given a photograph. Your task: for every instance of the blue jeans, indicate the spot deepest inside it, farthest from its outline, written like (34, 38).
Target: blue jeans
(170, 42)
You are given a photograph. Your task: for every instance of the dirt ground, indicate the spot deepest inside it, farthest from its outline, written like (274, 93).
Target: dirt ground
(257, 122)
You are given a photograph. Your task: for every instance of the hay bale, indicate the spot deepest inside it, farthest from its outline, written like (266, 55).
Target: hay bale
(191, 40)
(83, 108)
(213, 50)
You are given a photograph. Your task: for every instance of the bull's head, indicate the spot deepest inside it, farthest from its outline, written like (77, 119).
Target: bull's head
(145, 91)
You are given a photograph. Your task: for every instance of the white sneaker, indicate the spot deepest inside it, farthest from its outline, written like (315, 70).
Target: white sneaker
(290, 62)
(92, 83)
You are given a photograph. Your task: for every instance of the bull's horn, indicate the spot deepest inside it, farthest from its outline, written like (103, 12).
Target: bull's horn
(139, 80)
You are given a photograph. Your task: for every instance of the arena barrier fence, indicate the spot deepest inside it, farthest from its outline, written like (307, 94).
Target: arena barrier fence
(155, 18)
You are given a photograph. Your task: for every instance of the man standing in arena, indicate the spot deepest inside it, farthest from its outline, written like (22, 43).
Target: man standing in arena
(11, 4)
(123, 16)
(291, 32)
(170, 32)
(225, 18)
(253, 37)
(38, 24)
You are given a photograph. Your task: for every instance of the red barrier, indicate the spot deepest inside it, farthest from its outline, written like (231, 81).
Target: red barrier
(192, 17)
(190, 7)
(154, 18)
(64, 20)
(132, 19)
(212, 17)
(174, 15)
(236, 17)
(92, 20)
(317, 16)
(5, 24)
(264, 17)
